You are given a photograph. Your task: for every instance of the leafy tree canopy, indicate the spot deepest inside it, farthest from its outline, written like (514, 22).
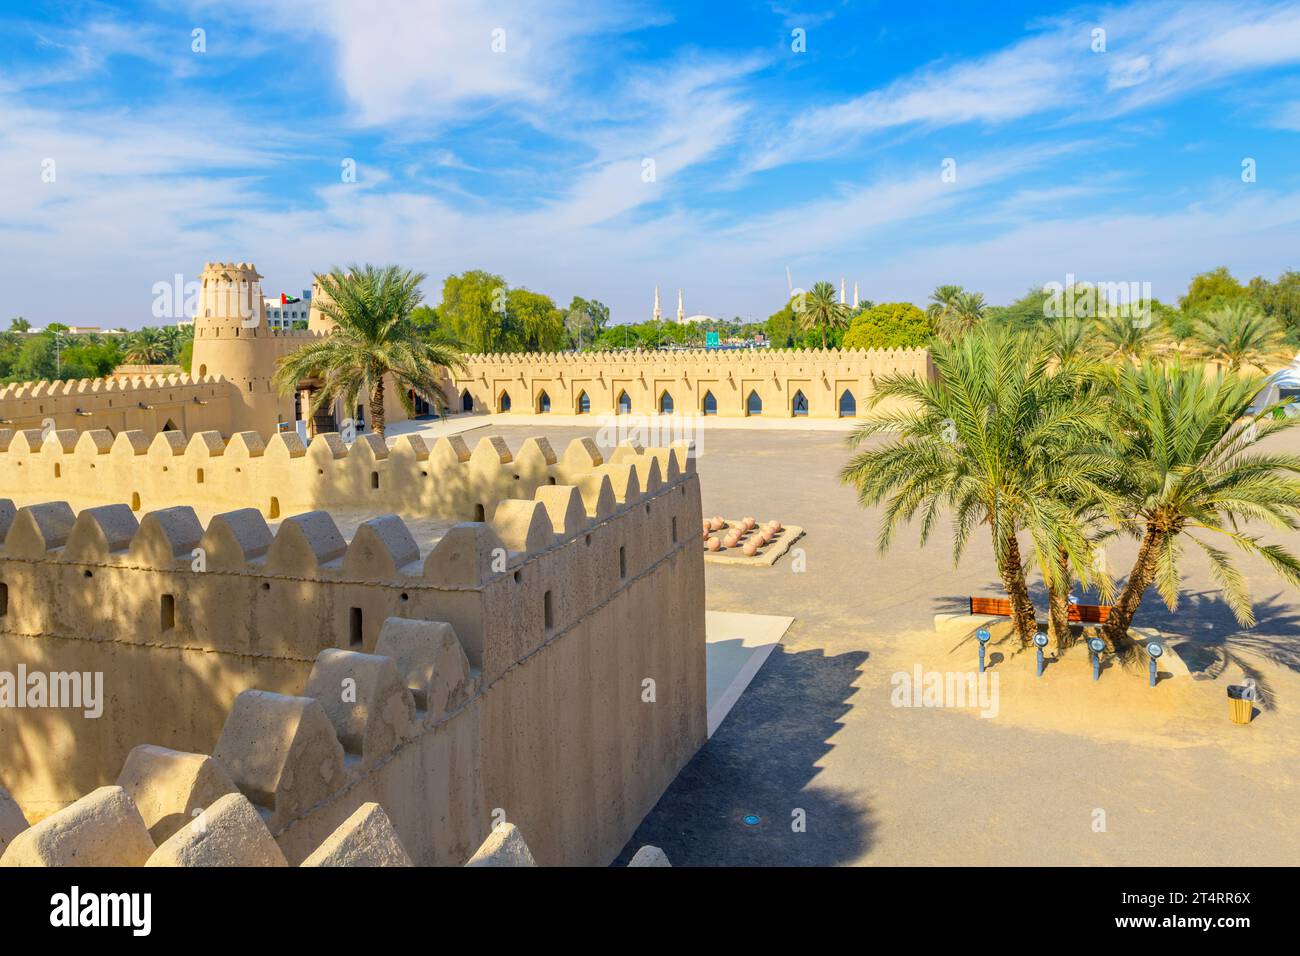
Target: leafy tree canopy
(890, 325)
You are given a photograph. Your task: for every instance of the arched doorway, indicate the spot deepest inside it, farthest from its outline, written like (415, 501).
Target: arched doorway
(503, 402)
(584, 404)
(466, 401)
(848, 404)
(624, 404)
(710, 404)
(799, 406)
(665, 404)
(753, 404)
(543, 402)
(419, 404)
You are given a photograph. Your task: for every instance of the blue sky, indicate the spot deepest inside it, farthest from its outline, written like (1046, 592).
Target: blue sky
(531, 161)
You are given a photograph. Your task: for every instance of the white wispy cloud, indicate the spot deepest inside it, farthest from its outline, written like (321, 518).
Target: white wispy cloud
(161, 187)
(1153, 53)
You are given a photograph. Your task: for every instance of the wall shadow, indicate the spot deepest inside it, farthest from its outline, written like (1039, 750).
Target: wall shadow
(762, 762)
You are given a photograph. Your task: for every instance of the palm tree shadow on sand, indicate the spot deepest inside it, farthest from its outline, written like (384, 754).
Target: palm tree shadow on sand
(1213, 641)
(762, 763)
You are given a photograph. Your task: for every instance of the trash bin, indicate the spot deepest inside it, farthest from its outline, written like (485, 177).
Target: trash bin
(1241, 703)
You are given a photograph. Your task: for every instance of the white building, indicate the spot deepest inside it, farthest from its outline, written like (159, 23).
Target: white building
(283, 316)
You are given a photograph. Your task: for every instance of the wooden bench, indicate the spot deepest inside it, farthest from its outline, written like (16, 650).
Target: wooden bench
(1088, 614)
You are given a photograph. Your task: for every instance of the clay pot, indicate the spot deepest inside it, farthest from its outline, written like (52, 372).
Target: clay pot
(731, 540)
(774, 525)
(765, 535)
(715, 524)
(751, 547)
(713, 544)
(749, 524)
(707, 525)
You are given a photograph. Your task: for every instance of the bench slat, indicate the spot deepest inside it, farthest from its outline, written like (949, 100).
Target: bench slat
(1079, 613)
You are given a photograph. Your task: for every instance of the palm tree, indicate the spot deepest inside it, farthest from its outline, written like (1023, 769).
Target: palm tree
(988, 440)
(822, 311)
(942, 301)
(1127, 338)
(145, 347)
(374, 338)
(963, 315)
(1239, 336)
(1070, 339)
(1183, 450)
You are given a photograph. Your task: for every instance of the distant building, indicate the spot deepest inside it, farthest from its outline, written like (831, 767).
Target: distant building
(281, 314)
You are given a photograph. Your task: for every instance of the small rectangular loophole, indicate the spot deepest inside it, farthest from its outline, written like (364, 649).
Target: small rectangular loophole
(354, 627)
(548, 611)
(168, 612)
(622, 563)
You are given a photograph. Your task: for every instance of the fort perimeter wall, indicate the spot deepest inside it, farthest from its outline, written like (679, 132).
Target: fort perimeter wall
(581, 580)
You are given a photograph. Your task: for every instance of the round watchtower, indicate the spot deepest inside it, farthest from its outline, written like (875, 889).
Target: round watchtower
(233, 341)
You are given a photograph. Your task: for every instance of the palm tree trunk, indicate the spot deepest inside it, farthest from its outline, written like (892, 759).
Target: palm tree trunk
(377, 407)
(1058, 607)
(1139, 579)
(1023, 618)
(823, 338)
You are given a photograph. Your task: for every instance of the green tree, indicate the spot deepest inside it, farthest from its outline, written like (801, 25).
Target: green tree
(943, 301)
(962, 315)
(622, 336)
(986, 440)
(146, 347)
(584, 320)
(90, 359)
(1184, 453)
(821, 311)
(374, 338)
(425, 319)
(1070, 339)
(1239, 335)
(185, 357)
(890, 325)
(1210, 290)
(1127, 338)
(473, 310)
(1279, 300)
(535, 321)
(781, 326)
(1026, 313)
(19, 325)
(35, 359)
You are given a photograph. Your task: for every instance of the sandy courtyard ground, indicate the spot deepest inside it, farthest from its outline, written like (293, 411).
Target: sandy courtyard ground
(1066, 772)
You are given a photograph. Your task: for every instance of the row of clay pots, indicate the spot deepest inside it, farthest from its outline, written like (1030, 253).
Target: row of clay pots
(734, 535)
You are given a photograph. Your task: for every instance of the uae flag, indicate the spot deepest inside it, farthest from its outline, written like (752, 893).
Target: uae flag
(286, 299)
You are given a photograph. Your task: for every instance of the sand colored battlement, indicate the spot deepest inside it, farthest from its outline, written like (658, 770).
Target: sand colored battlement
(444, 479)
(721, 357)
(307, 761)
(819, 383)
(580, 580)
(146, 403)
